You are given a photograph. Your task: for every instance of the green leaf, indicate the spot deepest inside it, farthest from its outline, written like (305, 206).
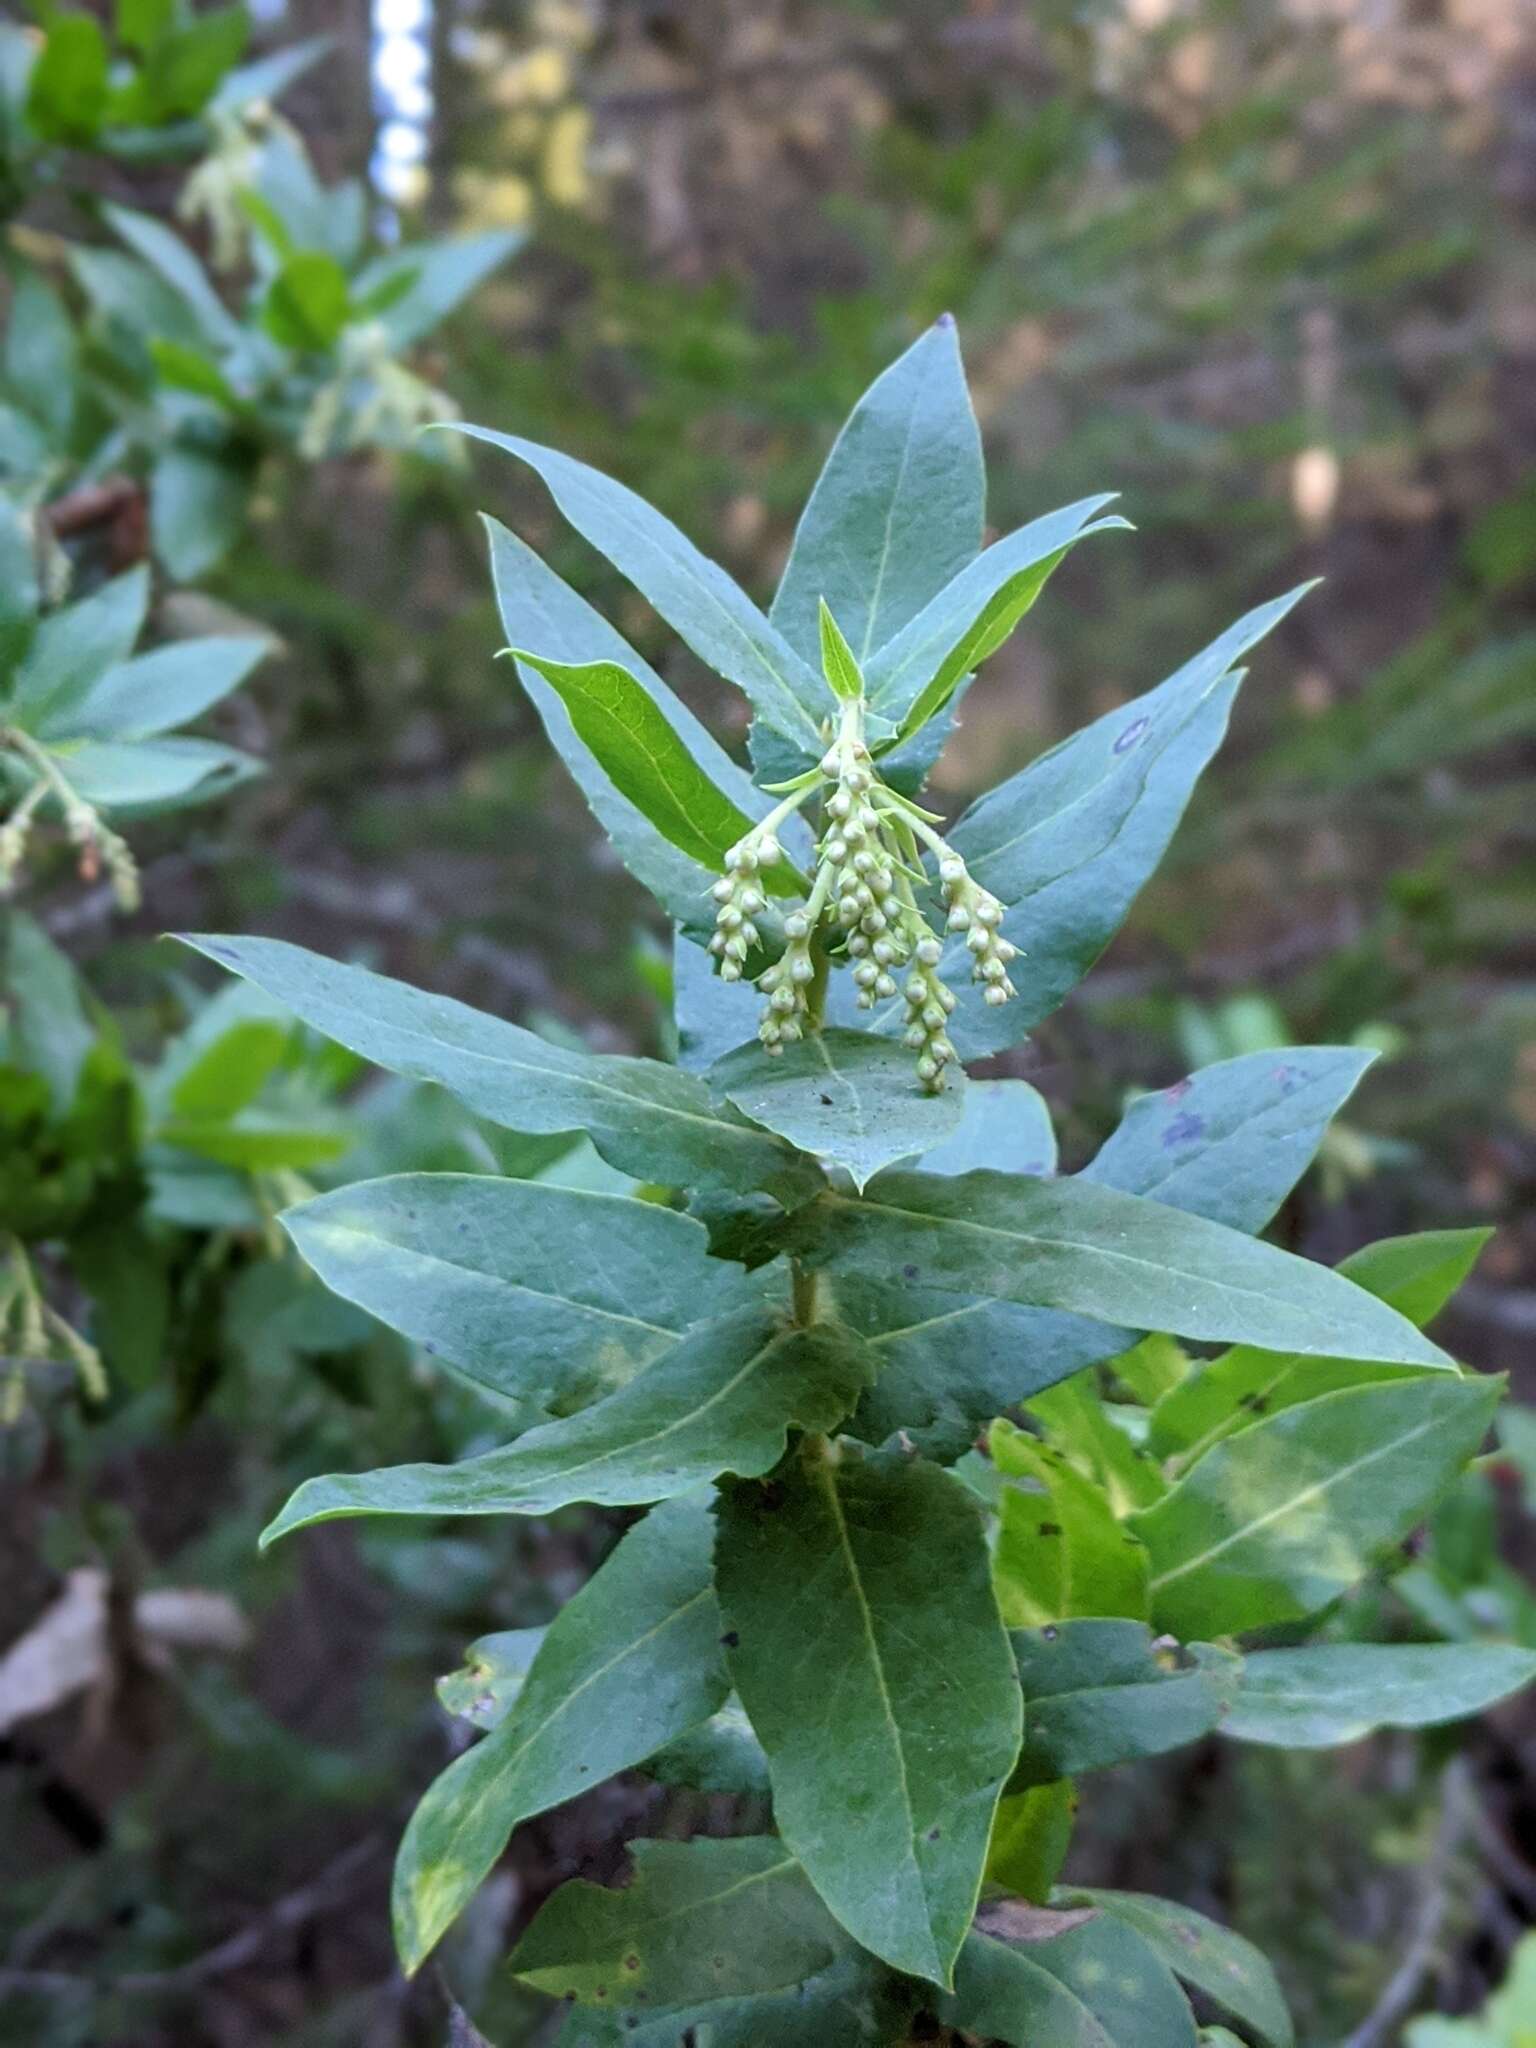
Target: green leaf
(1415, 1275)
(307, 304)
(256, 1142)
(1005, 1124)
(1240, 1133)
(721, 1755)
(865, 1644)
(643, 1117)
(549, 1295)
(1332, 1693)
(267, 78)
(173, 262)
(486, 1685)
(1276, 1522)
(1060, 1552)
(71, 649)
(694, 595)
(847, 1097)
(855, 2004)
(915, 675)
(897, 511)
(1210, 1957)
(699, 1920)
(41, 353)
(150, 693)
(435, 276)
(1030, 1839)
(722, 1400)
(68, 90)
(1096, 1985)
(141, 22)
(197, 508)
(150, 775)
(183, 68)
(1101, 1692)
(646, 760)
(1067, 1244)
(837, 660)
(45, 1026)
(535, 605)
(1079, 1423)
(627, 1664)
(1069, 841)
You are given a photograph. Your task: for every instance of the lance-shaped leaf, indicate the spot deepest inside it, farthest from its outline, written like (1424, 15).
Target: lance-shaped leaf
(1278, 1521)
(538, 609)
(1416, 1275)
(698, 1920)
(1234, 1138)
(1030, 1839)
(1081, 1425)
(647, 761)
(553, 1296)
(693, 594)
(864, 1641)
(838, 662)
(628, 1663)
(897, 511)
(1004, 1124)
(950, 1365)
(484, 1688)
(1211, 1958)
(1060, 1552)
(648, 1119)
(1330, 1693)
(1095, 1985)
(721, 1755)
(154, 692)
(71, 649)
(1069, 841)
(855, 2004)
(722, 1400)
(849, 1098)
(1100, 1692)
(915, 675)
(1067, 1244)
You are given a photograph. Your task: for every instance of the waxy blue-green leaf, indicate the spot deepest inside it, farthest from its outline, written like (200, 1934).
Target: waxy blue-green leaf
(140, 777)
(864, 1640)
(913, 677)
(73, 648)
(1101, 1692)
(1330, 1693)
(1068, 842)
(1095, 1985)
(712, 1016)
(1200, 1952)
(698, 1920)
(484, 1688)
(170, 258)
(1276, 1522)
(693, 594)
(40, 352)
(897, 511)
(1004, 1124)
(1416, 1275)
(1238, 1135)
(628, 1664)
(435, 276)
(645, 759)
(198, 503)
(951, 1364)
(552, 1296)
(848, 1098)
(723, 1399)
(1094, 1251)
(1060, 1553)
(645, 1118)
(151, 693)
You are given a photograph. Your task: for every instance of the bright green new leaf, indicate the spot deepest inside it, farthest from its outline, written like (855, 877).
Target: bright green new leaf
(847, 1097)
(68, 90)
(1330, 1693)
(1060, 1552)
(643, 1117)
(648, 762)
(1096, 1984)
(549, 1295)
(1098, 1693)
(864, 1640)
(721, 1400)
(629, 1663)
(1209, 1957)
(1030, 1838)
(693, 594)
(1416, 1275)
(698, 1920)
(897, 511)
(1067, 1244)
(1274, 1523)
(308, 303)
(838, 664)
(915, 674)
(1079, 1423)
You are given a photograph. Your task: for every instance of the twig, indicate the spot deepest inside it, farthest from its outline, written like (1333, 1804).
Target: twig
(1401, 1991)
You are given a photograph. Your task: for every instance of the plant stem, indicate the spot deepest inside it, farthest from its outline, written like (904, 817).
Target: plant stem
(804, 1294)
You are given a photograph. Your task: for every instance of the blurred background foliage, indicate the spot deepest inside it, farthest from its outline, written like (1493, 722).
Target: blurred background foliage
(1267, 267)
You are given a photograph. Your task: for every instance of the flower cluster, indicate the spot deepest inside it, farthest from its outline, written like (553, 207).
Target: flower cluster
(98, 846)
(863, 908)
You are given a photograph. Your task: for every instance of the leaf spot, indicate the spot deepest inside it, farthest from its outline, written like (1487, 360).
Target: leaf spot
(1131, 735)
